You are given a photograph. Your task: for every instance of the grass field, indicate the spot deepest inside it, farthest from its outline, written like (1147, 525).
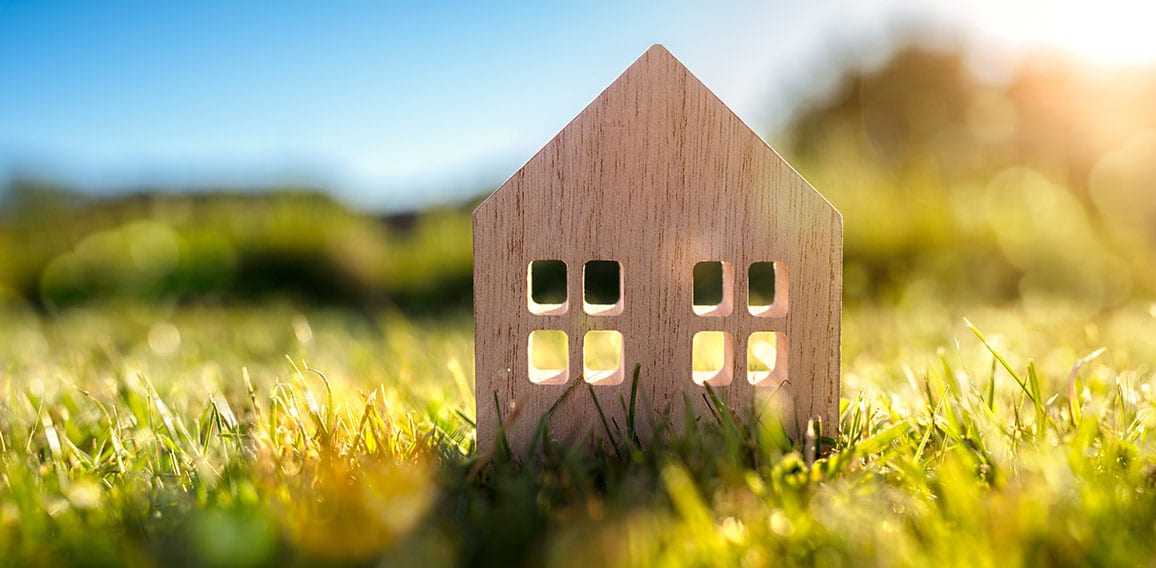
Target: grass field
(267, 436)
(166, 398)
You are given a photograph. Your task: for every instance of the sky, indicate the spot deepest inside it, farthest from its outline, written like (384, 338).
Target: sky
(395, 105)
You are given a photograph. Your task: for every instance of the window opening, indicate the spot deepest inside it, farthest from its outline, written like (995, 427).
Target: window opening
(602, 287)
(602, 355)
(713, 284)
(767, 289)
(549, 357)
(766, 358)
(546, 287)
(712, 361)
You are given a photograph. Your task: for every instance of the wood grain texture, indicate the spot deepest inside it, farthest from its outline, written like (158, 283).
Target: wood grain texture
(657, 174)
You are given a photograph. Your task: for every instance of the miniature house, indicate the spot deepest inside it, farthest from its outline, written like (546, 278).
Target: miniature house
(657, 188)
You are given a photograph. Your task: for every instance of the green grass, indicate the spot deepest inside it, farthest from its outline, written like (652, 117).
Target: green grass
(269, 436)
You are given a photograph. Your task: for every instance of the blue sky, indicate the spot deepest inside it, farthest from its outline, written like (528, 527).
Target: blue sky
(389, 104)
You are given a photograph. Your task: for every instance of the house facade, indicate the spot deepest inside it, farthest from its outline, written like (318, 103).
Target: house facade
(660, 180)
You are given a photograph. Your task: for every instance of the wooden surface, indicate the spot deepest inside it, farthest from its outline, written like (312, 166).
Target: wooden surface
(657, 174)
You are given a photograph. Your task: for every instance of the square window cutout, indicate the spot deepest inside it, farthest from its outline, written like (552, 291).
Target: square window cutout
(602, 356)
(767, 358)
(713, 284)
(767, 289)
(546, 287)
(602, 288)
(712, 361)
(549, 357)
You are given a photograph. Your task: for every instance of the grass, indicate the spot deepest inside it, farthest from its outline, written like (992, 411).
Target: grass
(268, 436)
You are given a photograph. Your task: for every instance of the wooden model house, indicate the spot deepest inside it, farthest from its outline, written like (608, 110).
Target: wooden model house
(656, 184)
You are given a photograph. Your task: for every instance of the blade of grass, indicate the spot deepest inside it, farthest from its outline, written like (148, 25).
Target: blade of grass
(1003, 362)
(1074, 411)
(605, 423)
(544, 422)
(631, 433)
(503, 441)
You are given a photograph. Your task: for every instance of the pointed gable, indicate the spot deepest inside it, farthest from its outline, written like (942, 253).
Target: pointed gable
(655, 121)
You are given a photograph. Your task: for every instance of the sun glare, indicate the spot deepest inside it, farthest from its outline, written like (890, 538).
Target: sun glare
(1118, 31)
(1108, 31)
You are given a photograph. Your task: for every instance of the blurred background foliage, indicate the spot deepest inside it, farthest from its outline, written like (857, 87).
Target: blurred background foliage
(956, 184)
(59, 248)
(1026, 185)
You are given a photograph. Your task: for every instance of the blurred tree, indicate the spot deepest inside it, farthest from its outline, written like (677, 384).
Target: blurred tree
(1054, 114)
(955, 185)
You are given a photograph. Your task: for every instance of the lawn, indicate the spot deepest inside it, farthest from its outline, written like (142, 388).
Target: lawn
(272, 381)
(263, 434)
